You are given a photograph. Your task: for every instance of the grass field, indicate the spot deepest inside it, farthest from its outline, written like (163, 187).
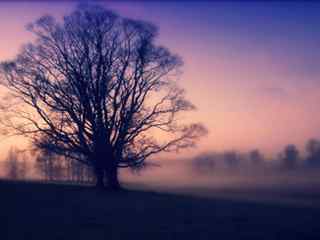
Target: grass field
(50, 211)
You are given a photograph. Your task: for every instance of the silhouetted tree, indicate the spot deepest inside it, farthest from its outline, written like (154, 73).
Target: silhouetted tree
(12, 165)
(291, 156)
(15, 165)
(79, 172)
(23, 166)
(49, 165)
(231, 158)
(313, 152)
(205, 162)
(97, 89)
(256, 157)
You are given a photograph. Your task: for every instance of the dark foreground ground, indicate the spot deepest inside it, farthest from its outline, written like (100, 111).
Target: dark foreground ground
(47, 211)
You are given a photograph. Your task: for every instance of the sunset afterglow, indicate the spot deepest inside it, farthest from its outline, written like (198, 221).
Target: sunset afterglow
(250, 69)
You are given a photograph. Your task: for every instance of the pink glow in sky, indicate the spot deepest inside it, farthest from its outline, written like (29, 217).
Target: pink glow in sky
(250, 71)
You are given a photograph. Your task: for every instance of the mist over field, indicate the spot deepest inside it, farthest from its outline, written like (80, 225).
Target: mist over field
(300, 186)
(268, 183)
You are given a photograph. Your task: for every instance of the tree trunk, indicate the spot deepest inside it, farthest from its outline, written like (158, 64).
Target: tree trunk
(106, 166)
(112, 177)
(99, 178)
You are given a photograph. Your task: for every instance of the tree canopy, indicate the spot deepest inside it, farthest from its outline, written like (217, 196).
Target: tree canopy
(96, 88)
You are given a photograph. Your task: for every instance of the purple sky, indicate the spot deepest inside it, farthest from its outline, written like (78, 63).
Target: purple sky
(250, 68)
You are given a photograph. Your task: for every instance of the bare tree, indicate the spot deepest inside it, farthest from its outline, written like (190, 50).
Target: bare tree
(291, 156)
(256, 157)
(96, 88)
(54, 167)
(49, 165)
(76, 171)
(232, 159)
(205, 162)
(23, 165)
(313, 151)
(15, 164)
(12, 164)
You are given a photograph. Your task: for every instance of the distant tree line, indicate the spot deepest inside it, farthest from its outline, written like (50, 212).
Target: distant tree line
(53, 167)
(15, 165)
(46, 166)
(289, 158)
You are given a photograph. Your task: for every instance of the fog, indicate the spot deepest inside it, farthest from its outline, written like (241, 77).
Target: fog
(269, 184)
(228, 175)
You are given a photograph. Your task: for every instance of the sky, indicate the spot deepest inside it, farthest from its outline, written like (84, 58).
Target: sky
(251, 68)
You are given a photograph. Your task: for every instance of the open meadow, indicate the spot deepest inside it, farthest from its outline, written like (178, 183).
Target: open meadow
(54, 211)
